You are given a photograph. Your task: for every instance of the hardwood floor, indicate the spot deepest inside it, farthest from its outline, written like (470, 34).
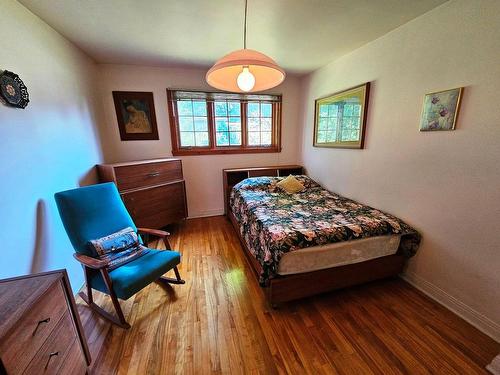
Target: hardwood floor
(219, 323)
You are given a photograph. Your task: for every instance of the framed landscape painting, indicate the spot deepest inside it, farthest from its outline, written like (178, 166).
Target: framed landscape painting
(440, 110)
(135, 112)
(340, 119)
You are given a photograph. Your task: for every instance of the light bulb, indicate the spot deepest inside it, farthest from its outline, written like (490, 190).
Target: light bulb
(246, 80)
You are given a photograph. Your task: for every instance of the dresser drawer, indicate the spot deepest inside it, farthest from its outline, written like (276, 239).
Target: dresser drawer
(158, 206)
(51, 356)
(32, 330)
(147, 174)
(74, 362)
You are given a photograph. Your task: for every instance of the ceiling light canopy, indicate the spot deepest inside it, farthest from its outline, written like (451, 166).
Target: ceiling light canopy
(245, 70)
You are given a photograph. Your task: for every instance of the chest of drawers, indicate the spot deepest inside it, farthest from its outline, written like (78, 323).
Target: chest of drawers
(153, 191)
(40, 330)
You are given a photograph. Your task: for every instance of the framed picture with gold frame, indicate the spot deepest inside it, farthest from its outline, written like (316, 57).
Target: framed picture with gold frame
(340, 119)
(440, 110)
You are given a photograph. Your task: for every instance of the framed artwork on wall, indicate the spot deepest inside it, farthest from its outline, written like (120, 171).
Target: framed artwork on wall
(340, 119)
(440, 110)
(135, 112)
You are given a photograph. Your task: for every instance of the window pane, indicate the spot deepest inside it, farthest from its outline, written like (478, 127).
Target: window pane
(265, 138)
(354, 135)
(187, 139)
(345, 135)
(200, 124)
(323, 110)
(321, 137)
(357, 110)
(200, 108)
(356, 122)
(220, 109)
(333, 110)
(234, 123)
(221, 124)
(235, 138)
(202, 139)
(266, 109)
(234, 108)
(330, 136)
(253, 110)
(332, 123)
(323, 124)
(222, 139)
(253, 124)
(348, 110)
(266, 124)
(254, 138)
(185, 124)
(184, 108)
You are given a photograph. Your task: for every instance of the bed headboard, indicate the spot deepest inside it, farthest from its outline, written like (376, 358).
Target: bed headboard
(234, 175)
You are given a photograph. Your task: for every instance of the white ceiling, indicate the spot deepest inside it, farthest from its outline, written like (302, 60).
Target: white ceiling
(301, 35)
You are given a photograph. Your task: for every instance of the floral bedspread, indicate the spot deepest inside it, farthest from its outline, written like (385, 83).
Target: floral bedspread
(273, 222)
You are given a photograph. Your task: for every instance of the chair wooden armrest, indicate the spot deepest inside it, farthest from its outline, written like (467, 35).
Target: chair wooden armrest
(156, 233)
(153, 232)
(90, 262)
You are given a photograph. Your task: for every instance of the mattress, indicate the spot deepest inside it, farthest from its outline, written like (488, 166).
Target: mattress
(337, 254)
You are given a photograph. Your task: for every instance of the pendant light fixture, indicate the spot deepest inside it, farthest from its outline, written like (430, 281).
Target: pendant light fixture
(245, 70)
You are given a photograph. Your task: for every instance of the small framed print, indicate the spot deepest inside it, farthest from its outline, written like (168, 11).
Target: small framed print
(340, 119)
(135, 112)
(440, 110)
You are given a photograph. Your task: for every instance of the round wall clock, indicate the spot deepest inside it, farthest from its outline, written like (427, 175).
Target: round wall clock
(12, 90)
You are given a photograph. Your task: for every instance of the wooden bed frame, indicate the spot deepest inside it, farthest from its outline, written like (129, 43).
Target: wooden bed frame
(290, 287)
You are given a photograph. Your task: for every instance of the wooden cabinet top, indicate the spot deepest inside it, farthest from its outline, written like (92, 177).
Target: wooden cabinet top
(19, 294)
(138, 162)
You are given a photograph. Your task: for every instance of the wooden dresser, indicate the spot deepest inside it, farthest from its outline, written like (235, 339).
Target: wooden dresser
(153, 191)
(40, 330)
(234, 175)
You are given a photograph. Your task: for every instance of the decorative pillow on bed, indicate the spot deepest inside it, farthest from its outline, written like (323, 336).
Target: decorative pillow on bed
(291, 185)
(118, 248)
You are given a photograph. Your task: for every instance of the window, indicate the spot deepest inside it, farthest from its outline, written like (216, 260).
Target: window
(220, 123)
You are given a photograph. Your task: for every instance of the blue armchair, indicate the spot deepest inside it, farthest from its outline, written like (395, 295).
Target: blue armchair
(96, 211)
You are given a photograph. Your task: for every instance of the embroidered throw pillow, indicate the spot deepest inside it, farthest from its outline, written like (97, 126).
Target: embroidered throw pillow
(291, 185)
(118, 248)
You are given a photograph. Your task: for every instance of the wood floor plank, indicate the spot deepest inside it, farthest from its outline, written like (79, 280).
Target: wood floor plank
(220, 323)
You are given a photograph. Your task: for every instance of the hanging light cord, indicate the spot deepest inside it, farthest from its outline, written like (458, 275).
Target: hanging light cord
(245, 28)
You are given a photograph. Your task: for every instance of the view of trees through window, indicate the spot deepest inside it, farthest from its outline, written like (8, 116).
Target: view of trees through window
(224, 123)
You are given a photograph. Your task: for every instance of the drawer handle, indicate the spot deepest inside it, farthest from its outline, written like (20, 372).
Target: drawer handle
(154, 174)
(53, 354)
(39, 324)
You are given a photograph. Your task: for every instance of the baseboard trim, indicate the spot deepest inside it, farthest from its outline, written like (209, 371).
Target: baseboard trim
(207, 213)
(478, 320)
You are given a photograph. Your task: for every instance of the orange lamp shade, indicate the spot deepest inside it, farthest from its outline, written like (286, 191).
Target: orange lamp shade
(224, 74)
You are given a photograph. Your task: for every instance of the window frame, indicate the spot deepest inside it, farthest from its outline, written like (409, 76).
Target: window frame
(173, 95)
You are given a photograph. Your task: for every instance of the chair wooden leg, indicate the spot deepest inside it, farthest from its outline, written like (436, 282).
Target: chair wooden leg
(177, 280)
(89, 300)
(121, 318)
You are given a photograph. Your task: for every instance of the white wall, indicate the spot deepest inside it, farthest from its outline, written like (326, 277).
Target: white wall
(203, 174)
(47, 147)
(445, 184)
